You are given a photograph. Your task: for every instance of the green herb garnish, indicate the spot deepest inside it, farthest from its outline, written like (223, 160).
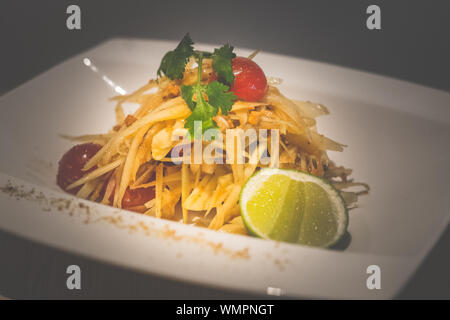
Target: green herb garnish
(218, 96)
(222, 62)
(174, 62)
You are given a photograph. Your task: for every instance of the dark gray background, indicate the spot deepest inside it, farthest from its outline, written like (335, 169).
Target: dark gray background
(412, 45)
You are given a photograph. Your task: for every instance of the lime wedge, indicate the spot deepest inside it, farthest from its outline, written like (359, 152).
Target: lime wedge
(292, 206)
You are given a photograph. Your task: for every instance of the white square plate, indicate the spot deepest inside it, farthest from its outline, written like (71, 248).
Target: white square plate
(397, 135)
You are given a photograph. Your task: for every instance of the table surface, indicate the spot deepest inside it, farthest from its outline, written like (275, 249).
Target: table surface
(412, 45)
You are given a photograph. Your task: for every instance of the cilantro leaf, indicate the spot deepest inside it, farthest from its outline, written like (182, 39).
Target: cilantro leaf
(203, 112)
(171, 66)
(219, 97)
(222, 62)
(185, 46)
(174, 62)
(187, 92)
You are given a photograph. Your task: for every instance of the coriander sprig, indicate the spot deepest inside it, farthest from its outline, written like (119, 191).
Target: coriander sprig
(174, 62)
(218, 96)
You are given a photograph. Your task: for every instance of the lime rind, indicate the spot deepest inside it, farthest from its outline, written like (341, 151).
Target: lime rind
(258, 178)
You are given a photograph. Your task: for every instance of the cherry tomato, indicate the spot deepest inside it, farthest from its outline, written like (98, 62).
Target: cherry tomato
(137, 197)
(72, 162)
(70, 170)
(250, 82)
(134, 199)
